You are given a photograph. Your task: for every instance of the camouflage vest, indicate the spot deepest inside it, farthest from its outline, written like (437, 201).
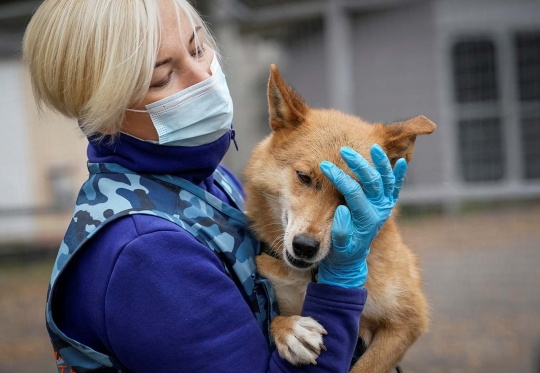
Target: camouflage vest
(112, 192)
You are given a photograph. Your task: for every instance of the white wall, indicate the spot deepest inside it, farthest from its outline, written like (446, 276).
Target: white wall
(305, 68)
(15, 179)
(246, 62)
(396, 77)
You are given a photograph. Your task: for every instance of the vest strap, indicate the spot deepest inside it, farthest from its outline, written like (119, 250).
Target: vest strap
(112, 192)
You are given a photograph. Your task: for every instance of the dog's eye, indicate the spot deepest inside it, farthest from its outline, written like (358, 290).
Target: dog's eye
(304, 178)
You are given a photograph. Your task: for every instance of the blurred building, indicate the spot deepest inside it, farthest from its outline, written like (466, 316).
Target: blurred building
(471, 66)
(43, 156)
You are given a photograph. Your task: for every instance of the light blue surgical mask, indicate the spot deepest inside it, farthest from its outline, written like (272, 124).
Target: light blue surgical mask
(195, 116)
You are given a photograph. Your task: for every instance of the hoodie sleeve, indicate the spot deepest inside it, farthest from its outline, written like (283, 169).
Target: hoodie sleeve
(170, 307)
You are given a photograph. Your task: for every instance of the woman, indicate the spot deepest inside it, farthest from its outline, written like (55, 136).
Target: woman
(146, 279)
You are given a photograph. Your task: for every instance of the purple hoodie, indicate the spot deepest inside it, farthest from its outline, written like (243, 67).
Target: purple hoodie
(147, 292)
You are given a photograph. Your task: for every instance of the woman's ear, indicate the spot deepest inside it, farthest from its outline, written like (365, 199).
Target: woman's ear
(285, 106)
(399, 137)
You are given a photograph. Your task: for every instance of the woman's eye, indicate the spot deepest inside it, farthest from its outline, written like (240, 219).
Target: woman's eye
(163, 83)
(198, 52)
(304, 178)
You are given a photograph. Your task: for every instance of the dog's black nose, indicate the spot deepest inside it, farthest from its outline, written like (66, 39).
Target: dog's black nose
(305, 247)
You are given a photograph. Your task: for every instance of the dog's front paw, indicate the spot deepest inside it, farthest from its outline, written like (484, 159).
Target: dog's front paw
(299, 340)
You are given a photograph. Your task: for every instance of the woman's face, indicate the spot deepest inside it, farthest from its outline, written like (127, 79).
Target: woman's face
(179, 65)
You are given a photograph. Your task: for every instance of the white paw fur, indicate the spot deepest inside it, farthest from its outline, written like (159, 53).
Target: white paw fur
(304, 342)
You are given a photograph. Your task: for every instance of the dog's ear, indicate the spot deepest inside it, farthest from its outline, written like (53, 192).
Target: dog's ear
(285, 106)
(399, 137)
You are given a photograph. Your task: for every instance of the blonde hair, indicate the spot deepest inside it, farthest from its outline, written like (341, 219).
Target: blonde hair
(91, 59)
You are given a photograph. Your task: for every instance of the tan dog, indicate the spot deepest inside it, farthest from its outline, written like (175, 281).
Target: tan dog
(288, 196)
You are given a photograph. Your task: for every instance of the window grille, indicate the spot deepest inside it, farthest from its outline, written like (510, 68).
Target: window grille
(527, 50)
(530, 130)
(528, 66)
(480, 143)
(481, 149)
(475, 71)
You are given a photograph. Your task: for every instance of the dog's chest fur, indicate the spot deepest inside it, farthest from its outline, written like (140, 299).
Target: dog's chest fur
(289, 285)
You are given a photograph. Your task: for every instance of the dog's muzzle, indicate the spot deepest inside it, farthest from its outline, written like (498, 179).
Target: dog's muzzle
(305, 247)
(298, 263)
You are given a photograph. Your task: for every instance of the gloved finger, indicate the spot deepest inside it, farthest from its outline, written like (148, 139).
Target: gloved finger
(351, 190)
(399, 172)
(370, 178)
(382, 164)
(342, 229)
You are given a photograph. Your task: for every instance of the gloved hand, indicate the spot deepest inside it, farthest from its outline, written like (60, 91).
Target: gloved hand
(369, 206)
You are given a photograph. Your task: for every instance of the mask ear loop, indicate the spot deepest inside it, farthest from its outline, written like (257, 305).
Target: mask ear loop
(125, 133)
(136, 138)
(137, 111)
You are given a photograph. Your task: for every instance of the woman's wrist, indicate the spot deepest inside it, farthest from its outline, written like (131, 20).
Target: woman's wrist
(351, 277)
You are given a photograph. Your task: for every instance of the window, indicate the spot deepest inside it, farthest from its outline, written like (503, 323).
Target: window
(530, 133)
(527, 51)
(528, 66)
(474, 71)
(476, 93)
(480, 144)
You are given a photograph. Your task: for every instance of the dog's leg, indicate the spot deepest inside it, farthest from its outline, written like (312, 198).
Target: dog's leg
(299, 340)
(385, 351)
(289, 285)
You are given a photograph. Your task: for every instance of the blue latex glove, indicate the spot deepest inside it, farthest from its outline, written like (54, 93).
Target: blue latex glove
(369, 206)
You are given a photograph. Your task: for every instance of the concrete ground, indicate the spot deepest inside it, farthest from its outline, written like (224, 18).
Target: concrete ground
(24, 343)
(481, 277)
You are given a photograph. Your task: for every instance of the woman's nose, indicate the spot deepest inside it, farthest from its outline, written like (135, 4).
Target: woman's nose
(195, 73)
